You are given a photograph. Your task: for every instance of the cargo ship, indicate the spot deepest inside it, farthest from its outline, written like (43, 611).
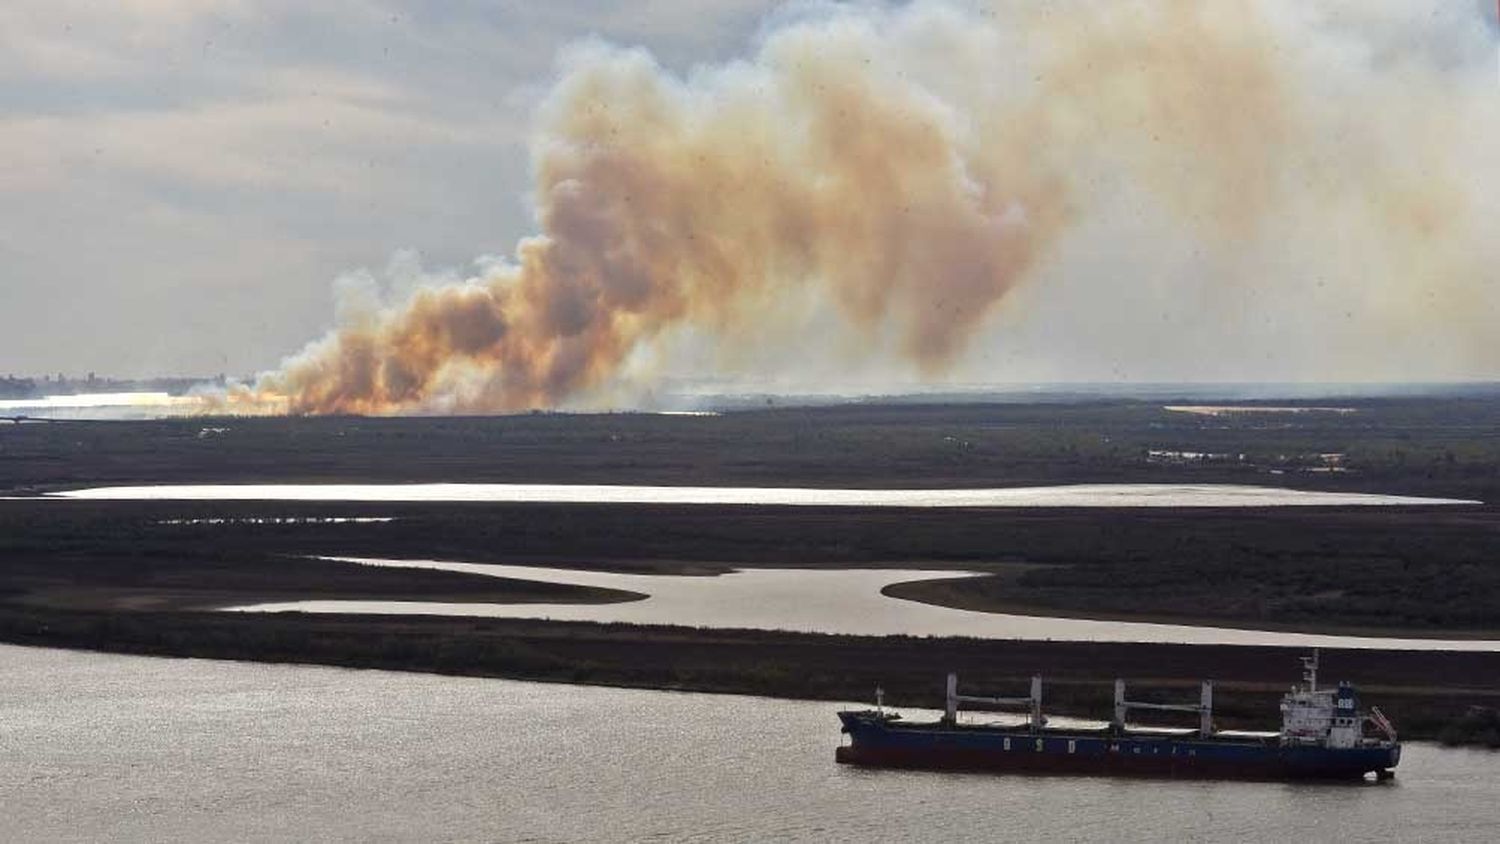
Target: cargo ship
(1324, 735)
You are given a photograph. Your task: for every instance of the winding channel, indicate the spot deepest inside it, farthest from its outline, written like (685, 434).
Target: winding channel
(839, 601)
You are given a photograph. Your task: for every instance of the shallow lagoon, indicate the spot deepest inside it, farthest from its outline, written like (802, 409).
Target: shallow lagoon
(1072, 495)
(844, 601)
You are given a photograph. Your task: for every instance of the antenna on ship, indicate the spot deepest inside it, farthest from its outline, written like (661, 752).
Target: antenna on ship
(1310, 671)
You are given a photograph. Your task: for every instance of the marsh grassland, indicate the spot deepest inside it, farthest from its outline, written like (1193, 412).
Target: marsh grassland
(145, 576)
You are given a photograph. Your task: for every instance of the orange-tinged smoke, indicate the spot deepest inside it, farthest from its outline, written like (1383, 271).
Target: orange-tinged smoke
(909, 168)
(661, 204)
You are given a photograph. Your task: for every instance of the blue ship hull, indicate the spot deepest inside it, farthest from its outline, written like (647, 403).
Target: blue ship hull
(881, 742)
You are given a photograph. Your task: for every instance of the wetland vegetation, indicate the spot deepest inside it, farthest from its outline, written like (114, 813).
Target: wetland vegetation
(132, 575)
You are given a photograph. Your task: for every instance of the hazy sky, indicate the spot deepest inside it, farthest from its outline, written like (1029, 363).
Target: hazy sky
(185, 181)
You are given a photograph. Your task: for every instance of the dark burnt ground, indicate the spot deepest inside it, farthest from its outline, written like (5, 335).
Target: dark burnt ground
(1420, 571)
(1408, 570)
(1433, 446)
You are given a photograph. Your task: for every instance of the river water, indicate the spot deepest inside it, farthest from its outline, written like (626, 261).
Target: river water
(107, 747)
(845, 601)
(1067, 495)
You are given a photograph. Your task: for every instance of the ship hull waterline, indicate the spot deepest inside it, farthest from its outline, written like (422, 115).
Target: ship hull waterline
(1021, 752)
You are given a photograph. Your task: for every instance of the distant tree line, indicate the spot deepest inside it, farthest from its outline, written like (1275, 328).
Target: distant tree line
(14, 387)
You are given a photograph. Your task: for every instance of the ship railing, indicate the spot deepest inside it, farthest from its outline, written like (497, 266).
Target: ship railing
(1204, 707)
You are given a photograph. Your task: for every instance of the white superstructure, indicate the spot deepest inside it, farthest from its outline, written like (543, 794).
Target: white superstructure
(1327, 717)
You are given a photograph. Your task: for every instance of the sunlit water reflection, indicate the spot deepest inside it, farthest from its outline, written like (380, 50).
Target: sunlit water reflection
(1072, 495)
(104, 747)
(846, 601)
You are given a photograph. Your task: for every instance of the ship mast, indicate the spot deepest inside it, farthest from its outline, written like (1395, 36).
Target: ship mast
(1310, 671)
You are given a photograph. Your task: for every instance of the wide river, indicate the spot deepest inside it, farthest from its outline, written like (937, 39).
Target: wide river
(106, 747)
(1069, 495)
(846, 601)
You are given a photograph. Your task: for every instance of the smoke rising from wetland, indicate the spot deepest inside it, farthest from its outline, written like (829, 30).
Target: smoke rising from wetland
(891, 177)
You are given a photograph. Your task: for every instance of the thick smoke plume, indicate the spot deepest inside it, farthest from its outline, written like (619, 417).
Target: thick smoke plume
(900, 171)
